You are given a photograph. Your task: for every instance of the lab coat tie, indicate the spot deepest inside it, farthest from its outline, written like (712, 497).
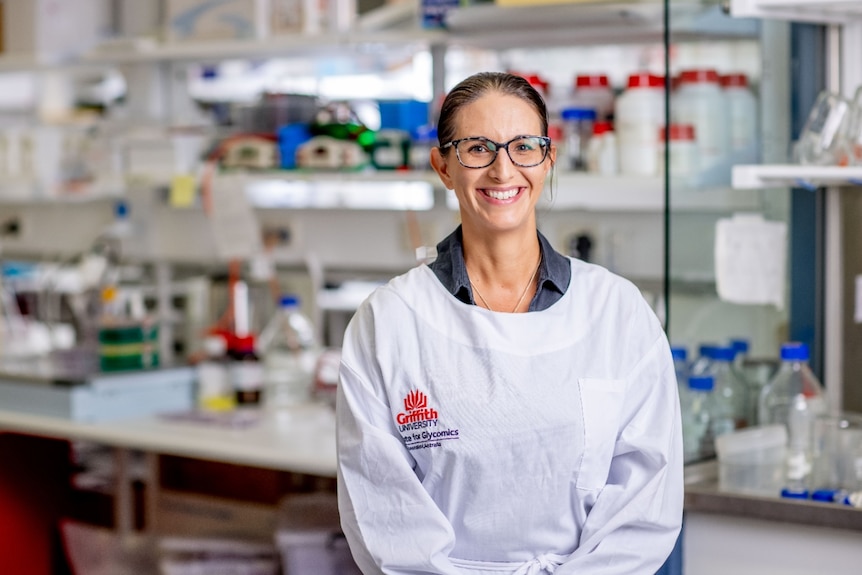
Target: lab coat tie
(546, 564)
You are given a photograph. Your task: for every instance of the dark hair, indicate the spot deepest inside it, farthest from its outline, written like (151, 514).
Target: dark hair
(474, 87)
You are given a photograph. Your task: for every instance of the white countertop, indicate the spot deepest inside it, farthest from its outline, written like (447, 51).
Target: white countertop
(299, 439)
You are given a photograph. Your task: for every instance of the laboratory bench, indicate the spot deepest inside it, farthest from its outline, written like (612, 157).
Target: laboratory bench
(726, 532)
(763, 533)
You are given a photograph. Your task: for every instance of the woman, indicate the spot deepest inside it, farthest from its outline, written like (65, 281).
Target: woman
(506, 409)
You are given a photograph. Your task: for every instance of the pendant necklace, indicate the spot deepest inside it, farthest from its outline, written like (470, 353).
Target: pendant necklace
(523, 294)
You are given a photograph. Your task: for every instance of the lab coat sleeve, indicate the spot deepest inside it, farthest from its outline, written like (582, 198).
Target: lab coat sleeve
(636, 517)
(391, 523)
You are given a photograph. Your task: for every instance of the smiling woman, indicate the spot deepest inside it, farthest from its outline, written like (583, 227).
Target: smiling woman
(550, 437)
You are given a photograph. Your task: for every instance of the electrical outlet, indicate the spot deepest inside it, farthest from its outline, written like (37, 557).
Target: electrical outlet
(11, 226)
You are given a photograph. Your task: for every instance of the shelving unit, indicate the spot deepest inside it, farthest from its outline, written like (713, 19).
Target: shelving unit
(782, 175)
(814, 11)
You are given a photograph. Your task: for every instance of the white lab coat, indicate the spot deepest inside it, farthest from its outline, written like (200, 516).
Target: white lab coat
(475, 442)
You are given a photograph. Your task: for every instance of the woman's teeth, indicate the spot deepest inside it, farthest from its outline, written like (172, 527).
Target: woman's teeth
(497, 195)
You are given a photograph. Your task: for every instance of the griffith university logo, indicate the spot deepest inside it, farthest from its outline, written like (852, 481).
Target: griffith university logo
(416, 409)
(419, 424)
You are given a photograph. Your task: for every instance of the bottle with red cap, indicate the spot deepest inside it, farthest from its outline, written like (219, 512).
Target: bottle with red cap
(602, 150)
(638, 114)
(742, 107)
(594, 91)
(683, 165)
(700, 101)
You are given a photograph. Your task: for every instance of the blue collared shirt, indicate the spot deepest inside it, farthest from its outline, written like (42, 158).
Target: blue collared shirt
(554, 272)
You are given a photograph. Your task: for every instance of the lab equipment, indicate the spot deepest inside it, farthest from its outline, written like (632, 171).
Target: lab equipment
(752, 460)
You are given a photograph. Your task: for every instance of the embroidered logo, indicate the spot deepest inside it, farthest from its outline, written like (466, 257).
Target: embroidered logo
(420, 425)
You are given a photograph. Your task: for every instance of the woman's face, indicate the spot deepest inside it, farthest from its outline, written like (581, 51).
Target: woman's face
(502, 196)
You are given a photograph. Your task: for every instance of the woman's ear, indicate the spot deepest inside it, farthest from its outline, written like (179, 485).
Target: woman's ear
(441, 166)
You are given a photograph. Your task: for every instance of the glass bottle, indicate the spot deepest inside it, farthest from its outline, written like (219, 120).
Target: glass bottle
(697, 437)
(730, 385)
(289, 349)
(794, 398)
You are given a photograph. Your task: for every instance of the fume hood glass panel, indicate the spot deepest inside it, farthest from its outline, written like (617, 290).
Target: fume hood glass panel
(728, 249)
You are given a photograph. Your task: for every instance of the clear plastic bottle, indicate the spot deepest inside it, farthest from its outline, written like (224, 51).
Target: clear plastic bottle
(794, 397)
(290, 351)
(697, 438)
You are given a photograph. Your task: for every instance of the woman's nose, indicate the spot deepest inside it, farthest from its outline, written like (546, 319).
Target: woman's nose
(502, 167)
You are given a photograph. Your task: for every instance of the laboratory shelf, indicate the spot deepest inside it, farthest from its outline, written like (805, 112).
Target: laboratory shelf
(750, 177)
(375, 190)
(147, 50)
(815, 11)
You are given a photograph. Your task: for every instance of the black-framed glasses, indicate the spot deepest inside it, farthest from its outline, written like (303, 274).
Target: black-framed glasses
(479, 152)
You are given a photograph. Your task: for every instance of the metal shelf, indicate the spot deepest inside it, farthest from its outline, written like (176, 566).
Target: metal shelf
(752, 177)
(814, 11)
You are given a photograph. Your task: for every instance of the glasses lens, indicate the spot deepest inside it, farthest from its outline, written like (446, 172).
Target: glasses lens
(476, 153)
(528, 151)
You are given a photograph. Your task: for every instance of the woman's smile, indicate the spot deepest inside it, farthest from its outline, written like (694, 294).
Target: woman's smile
(502, 194)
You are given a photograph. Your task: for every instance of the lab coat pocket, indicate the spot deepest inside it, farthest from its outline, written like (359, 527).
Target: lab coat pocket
(601, 402)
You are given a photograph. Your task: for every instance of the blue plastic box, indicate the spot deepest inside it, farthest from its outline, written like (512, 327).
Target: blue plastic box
(407, 115)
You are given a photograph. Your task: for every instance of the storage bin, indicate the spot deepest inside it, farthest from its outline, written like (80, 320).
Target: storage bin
(752, 460)
(309, 537)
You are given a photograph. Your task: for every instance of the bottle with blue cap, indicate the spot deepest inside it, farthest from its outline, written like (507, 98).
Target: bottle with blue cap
(289, 349)
(703, 363)
(794, 397)
(729, 385)
(697, 438)
(680, 364)
(577, 130)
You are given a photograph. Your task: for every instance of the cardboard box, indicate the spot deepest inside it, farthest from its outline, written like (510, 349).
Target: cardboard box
(202, 20)
(55, 30)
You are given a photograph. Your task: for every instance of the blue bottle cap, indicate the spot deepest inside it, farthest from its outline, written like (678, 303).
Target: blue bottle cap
(701, 382)
(706, 350)
(723, 353)
(794, 351)
(679, 353)
(578, 114)
(289, 300)
(787, 493)
(121, 209)
(826, 495)
(740, 345)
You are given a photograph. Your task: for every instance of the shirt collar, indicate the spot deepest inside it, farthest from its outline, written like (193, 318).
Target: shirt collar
(554, 270)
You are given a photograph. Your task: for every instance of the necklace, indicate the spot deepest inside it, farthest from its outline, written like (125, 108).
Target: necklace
(523, 293)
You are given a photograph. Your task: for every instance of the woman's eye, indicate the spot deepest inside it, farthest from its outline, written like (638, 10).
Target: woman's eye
(478, 149)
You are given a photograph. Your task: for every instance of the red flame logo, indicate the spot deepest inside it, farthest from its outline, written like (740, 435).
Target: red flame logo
(415, 400)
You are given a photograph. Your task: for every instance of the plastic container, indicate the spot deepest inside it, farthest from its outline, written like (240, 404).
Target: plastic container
(751, 460)
(700, 102)
(744, 127)
(683, 162)
(593, 91)
(838, 452)
(289, 350)
(794, 398)
(638, 114)
(577, 131)
(602, 150)
(309, 537)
